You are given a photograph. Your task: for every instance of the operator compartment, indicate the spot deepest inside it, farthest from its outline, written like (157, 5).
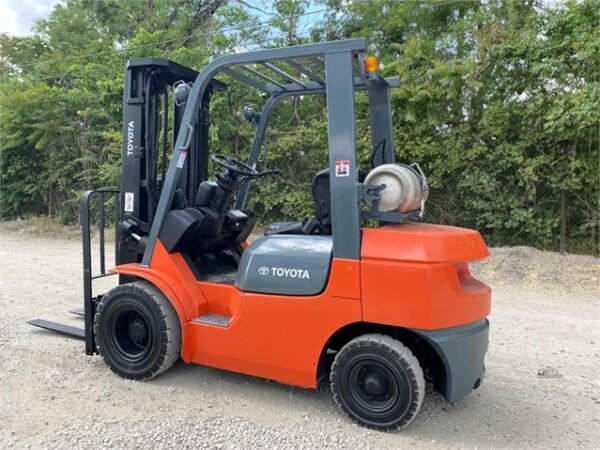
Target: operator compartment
(286, 264)
(417, 276)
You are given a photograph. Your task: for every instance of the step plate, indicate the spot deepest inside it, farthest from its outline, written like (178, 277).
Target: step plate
(213, 319)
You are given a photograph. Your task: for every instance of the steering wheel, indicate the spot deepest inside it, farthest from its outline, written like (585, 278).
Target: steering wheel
(235, 165)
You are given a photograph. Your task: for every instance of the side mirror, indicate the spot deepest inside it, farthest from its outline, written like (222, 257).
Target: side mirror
(251, 114)
(182, 92)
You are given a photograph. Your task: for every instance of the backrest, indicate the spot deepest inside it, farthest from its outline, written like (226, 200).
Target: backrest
(320, 189)
(321, 192)
(205, 193)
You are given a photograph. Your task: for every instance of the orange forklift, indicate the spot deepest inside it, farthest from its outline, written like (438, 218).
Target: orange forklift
(376, 310)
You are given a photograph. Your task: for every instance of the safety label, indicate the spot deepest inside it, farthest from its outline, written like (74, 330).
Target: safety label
(342, 168)
(129, 196)
(181, 160)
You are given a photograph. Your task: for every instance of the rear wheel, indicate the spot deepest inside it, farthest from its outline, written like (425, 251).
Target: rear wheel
(378, 382)
(137, 331)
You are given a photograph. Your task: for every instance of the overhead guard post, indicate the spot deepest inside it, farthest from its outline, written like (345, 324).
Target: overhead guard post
(342, 155)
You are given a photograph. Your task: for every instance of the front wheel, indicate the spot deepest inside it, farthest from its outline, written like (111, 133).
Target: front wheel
(378, 382)
(137, 331)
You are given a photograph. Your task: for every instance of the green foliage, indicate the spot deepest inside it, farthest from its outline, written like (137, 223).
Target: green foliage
(498, 103)
(301, 153)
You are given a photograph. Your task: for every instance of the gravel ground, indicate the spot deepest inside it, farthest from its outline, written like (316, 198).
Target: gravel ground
(542, 388)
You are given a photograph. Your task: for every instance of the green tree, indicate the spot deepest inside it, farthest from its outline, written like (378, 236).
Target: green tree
(498, 103)
(61, 94)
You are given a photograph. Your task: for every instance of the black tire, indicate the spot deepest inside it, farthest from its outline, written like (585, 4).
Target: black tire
(378, 382)
(137, 331)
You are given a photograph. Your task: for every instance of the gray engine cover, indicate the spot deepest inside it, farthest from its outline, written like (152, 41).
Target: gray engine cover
(285, 264)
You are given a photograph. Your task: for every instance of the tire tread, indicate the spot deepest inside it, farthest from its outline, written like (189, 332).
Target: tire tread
(401, 353)
(170, 347)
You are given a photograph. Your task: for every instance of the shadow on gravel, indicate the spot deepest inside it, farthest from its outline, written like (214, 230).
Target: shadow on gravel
(183, 376)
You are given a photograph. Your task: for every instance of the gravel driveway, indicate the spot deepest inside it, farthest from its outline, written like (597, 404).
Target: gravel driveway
(542, 388)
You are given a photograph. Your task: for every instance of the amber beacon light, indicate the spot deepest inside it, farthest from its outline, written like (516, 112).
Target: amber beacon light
(371, 64)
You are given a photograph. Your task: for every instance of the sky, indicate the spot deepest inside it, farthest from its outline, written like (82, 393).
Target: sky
(17, 16)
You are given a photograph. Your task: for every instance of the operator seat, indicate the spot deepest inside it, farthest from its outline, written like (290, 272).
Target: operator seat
(321, 223)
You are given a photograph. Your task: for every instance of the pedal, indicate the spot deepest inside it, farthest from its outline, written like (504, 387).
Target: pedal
(213, 319)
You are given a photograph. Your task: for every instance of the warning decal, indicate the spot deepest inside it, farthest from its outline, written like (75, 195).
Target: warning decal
(129, 196)
(181, 160)
(342, 168)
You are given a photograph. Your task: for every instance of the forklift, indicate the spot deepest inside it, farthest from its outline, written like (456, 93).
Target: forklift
(361, 294)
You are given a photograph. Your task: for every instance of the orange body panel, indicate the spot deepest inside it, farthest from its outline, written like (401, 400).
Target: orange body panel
(413, 276)
(172, 276)
(272, 336)
(345, 274)
(416, 276)
(279, 337)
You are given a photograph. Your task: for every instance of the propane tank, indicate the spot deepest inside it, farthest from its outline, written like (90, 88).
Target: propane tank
(405, 187)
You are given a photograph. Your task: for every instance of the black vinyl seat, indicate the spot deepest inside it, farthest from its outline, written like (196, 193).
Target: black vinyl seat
(321, 222)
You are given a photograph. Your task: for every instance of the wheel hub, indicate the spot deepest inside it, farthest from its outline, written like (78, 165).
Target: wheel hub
(375, 383)
(137, 331)
(130, 332)
(375, 387)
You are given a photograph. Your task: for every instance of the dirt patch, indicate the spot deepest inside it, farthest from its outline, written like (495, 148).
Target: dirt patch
(40, 227)
(541, 389)
(540, 269)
